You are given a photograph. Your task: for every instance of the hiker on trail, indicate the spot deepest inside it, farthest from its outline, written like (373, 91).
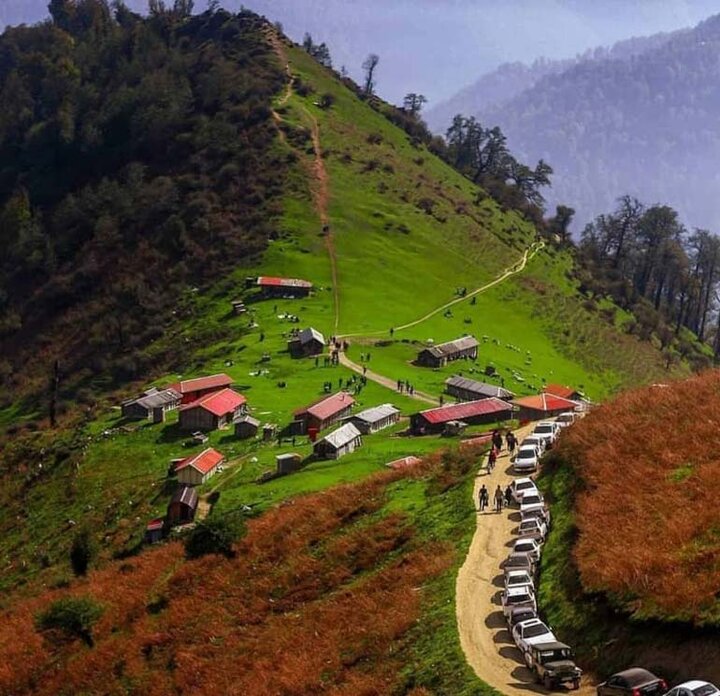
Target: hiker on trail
(497, 440)
(499, 498)
(340, 381)
(364, 370)
(442, 399)
(346, 345)
(492, 458)
(412, 390)
(508, 495)
(392, 332)
(483, 498)
(367, 358)
(407, 385)
(262, 336)
(511, 441)
(474, 300)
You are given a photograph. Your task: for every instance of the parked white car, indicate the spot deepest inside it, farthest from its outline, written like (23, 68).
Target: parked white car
(515, 597)
(536, 440)
(531, 632)
(566, 419)
(528, 546)
(520, 486)
(518, 561)
(541, 514)
(533, 528)
(532, 501)
(694, 688)
(526, 459)
(518, 578)
(547, 431)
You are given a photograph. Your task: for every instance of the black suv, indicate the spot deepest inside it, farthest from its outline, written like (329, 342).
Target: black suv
(552, 664)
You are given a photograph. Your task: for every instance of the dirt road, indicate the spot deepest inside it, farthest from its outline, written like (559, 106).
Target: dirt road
(484, 637)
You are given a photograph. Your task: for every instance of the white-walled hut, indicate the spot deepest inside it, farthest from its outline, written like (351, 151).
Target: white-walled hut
(212, 411)
(195, 470)
(371, 420)
(338, 443)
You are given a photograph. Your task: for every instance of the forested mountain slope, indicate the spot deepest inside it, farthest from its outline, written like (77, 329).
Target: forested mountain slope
(640, 124)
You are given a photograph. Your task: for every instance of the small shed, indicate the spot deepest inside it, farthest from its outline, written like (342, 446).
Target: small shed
(531, 408)
(271, 286)
(238, 307)
(323, 413)
(183, 505)
(478, 412)
(306, 343)
(454, 427)
(371, 420)
(269, 432)
(195, 470)
(338, 443)
(147, 406)
(246, 426)
(287, 463)
(154, 531)
(443, 353)
(465, 389)
(213, 411)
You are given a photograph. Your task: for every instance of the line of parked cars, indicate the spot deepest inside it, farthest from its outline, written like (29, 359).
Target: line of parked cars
(551, 661)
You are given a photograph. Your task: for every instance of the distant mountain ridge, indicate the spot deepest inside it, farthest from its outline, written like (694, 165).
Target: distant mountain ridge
(639, 119)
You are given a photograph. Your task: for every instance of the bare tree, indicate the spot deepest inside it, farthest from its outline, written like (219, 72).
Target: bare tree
(369, 66)
(413, 103)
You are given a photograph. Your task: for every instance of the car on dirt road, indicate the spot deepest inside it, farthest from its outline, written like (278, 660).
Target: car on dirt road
(694, 688)
(566, 419)
(532, 501)
(518, 578)
(552, 664)
(518, 561)
(529, 633)
(533, 528)
(542, 514)
(546, 430)
(515, 597)
(528, 546)
(520, 486)
(520, 614)
(537, 441)
(632, 682)
(526, 459)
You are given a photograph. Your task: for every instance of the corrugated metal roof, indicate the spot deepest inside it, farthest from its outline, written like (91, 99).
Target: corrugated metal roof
(157, 399)
(328, 406)
(219, 403)
(546, 402)
(156, 524)
(451, 347)
(273, 281)
(309, 334)
(186, 495)
(376, 413)
(204, 462)
(202, 383)
(560, 390)
(342, 436)
(481, 388)
(467, 409)
(248, 419)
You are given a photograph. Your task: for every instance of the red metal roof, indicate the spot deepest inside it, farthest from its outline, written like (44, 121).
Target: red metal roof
(154, 525)
(560, 390)
(204, 462)
(328, 407)
(283, 282)
(467, 409)
(202, 383)
(546, 402)
(219, 403)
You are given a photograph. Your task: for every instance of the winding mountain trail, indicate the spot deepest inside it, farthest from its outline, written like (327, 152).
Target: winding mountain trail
(484, 636)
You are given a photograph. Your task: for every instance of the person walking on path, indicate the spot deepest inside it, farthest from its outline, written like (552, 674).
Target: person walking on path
(492, 458)
(483, 498)
(497, 440)
(511, 441)
(508, 496)
(499, 498)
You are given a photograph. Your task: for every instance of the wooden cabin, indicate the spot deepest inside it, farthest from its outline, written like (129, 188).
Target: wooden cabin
(541, 406)
(213, 411)
(322, 414)
(152, 405)
(478, 412)
(288, 463)
(465, 389)
(443, 353)
(194, 389)
(183, 506)
(195, 470)
(371, 420)
(283, 287)
(306, 343)
(338, 443)
(246, 426)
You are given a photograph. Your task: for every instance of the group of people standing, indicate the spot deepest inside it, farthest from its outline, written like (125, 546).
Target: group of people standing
(501, 497)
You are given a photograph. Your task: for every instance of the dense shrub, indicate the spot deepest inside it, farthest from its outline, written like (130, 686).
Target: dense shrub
(74, 616)
(214, 535)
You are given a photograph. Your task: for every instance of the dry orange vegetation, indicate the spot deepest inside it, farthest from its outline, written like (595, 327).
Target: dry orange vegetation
(318, 599)
(647, 512)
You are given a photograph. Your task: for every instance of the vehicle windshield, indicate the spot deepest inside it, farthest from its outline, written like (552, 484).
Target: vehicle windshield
(526, 454)
(528, 524)
(524, 485)
(535, 630)
(704, 690)
(531, 499)
(524, 546)
(518, 580)
(553, 655)
(543, 429)
(518, 599)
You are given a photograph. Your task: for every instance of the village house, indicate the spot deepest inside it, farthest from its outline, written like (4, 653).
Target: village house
(465, 389)
(152, 405)
(213, 411)
(246, 426)
(322, 414)
(182, 506)
(443, 353)
(540, 406)
(338, 443)
(306, 342)
(193, 389)
(282, 287)
(483, 411)
(195, 470)
(377, 418)
(288, 463)
(564, 392)
(154, 531)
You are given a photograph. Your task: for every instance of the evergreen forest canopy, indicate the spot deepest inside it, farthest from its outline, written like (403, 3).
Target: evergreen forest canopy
(136, 163)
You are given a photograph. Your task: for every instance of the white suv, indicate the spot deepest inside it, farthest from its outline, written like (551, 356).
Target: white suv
(526, 459)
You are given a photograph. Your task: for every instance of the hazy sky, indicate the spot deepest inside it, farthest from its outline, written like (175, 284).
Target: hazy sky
(438, 46)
